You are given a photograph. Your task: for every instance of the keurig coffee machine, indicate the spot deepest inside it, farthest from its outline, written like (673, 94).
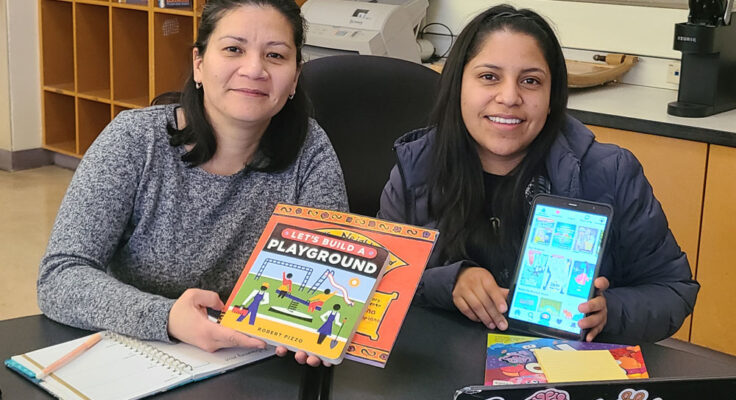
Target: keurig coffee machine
(708, 69)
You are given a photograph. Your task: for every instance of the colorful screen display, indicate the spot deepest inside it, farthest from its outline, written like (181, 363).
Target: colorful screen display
(557, 267)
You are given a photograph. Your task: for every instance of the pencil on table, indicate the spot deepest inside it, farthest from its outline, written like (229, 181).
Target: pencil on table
(70, 356)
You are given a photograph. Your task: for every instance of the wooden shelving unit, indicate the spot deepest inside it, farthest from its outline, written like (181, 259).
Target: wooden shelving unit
(100, 57)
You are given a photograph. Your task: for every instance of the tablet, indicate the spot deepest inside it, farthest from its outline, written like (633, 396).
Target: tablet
(560, 257)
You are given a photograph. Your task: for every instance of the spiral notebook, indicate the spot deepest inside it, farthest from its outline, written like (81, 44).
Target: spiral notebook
(119, 367)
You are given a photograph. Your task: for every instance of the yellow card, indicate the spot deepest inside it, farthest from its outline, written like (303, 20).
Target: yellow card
(578, 366)
(501, 338)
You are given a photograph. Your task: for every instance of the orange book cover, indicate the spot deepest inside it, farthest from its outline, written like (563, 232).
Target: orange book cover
(407, 248)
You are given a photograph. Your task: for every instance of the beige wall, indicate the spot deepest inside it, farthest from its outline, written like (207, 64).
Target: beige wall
(601, 27)
(5, 136)
(24, 73)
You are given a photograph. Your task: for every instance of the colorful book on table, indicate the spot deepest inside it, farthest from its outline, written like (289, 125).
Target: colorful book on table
(510, 359)
(302, 292)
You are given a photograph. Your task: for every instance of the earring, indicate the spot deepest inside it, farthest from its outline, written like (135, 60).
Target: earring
(198, 85)
(291, 96)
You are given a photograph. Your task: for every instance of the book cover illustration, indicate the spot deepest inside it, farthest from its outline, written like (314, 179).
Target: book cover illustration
(409, 248)
(510, 359)
(304, 289)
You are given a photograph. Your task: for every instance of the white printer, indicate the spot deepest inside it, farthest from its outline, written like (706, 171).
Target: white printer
(376, 27)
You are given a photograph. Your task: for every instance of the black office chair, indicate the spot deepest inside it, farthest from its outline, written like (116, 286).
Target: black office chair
(365, 103)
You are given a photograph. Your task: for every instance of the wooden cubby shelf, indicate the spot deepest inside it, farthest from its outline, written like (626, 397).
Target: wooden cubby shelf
(94, 2)
(130, 56)
(100, 57)
(57, 48)
(171, 65)
(59, 123)
(117, 110)
(66, 88)
(92, 118)
(93, 50)
(130, 6)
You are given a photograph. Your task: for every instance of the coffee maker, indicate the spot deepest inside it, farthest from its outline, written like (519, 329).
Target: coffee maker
(708, 69)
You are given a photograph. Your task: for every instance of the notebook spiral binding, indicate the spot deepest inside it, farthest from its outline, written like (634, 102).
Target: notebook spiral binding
(152, 353)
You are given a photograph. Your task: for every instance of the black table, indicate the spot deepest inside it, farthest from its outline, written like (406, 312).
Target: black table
(437, 352)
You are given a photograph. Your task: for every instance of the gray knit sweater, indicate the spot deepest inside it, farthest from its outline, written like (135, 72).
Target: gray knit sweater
(137, 227)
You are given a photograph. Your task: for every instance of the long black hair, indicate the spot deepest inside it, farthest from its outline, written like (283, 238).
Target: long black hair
(456, 180)
(287, 130)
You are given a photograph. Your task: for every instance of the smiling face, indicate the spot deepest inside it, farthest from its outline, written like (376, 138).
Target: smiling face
(249, 68)
(505, 98)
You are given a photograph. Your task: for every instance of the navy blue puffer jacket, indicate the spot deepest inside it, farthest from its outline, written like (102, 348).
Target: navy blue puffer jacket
(651, 288)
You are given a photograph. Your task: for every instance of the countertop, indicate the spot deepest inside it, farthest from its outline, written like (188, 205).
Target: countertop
(644, 109)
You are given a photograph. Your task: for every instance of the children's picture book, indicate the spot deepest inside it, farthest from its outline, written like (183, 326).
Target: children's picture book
(510, 359)
(141, 368)
(301, 294)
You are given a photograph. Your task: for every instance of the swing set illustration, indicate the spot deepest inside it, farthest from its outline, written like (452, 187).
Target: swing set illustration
(304, 292)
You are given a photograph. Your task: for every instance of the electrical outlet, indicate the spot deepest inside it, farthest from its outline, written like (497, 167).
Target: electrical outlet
(673, 73)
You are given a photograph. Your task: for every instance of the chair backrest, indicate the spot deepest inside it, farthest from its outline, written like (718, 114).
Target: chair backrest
(365, 103)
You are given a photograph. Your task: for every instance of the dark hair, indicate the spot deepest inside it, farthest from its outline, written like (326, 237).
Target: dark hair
(456, 181)
(288, 128)
(166, 98)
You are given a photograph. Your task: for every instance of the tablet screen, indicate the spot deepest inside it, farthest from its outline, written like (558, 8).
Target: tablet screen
(558, 265)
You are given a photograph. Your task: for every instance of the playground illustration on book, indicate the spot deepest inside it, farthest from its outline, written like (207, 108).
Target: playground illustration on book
(305, 290)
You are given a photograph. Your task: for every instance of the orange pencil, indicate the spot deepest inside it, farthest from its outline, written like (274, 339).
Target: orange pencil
(70, 356)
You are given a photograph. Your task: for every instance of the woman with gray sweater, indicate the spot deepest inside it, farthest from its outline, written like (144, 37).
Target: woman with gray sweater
(167, 204)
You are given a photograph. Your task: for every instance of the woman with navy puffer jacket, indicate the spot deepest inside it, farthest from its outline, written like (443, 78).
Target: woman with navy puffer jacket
(500, 134)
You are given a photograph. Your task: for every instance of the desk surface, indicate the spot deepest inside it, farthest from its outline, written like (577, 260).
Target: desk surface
(437, 352)
(273, 378)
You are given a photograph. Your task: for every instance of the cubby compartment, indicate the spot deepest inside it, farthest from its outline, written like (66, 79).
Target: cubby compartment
(93, 51)
(92, 117)
(57, 46)
(172, 44)
(59, 123)
(117, 110)
(130, 64)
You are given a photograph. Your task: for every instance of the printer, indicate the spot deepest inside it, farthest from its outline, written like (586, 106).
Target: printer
(375, 27)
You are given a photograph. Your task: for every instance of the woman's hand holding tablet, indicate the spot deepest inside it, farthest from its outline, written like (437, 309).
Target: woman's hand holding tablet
(552, 293)
(595, 310)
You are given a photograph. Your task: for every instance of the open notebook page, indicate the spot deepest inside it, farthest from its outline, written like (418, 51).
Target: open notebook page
(108, 370)
(114, 370)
